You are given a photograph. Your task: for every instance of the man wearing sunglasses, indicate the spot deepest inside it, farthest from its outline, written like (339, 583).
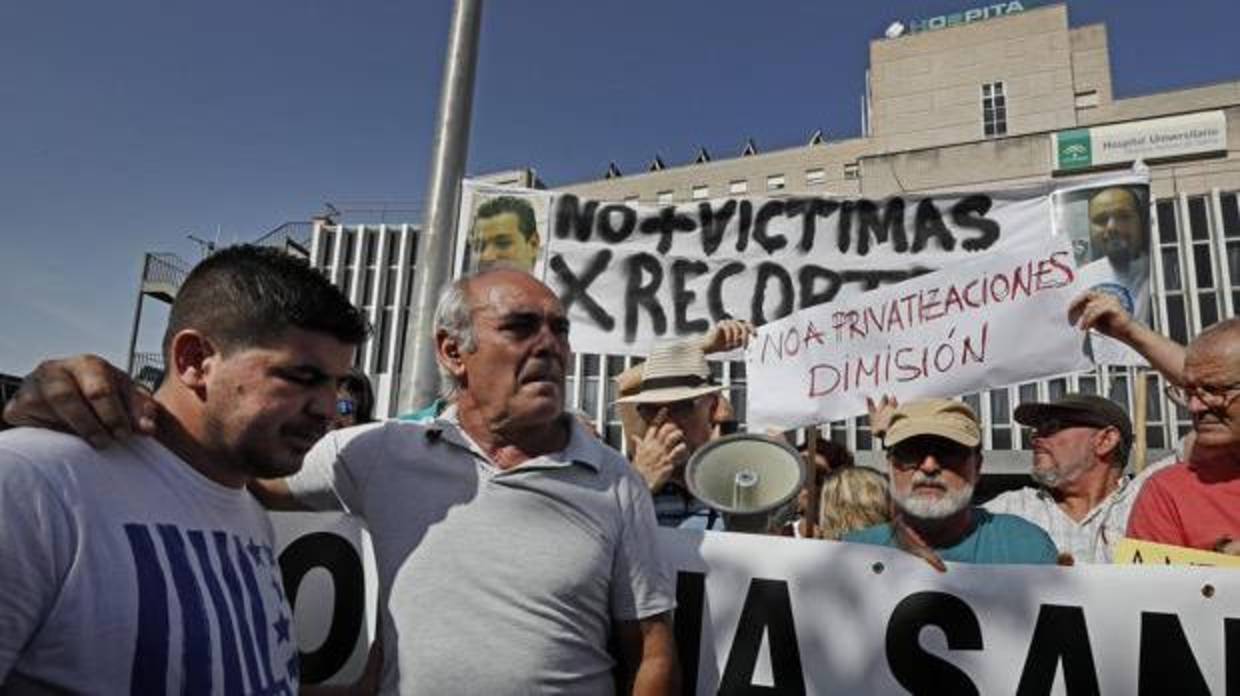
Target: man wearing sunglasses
(1196, 503)
(935, 460)
(1080, 448)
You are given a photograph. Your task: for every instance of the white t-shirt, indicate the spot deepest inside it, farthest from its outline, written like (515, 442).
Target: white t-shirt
(125, 571)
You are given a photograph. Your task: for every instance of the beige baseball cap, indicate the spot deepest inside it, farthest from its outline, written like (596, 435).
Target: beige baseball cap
(945, 418)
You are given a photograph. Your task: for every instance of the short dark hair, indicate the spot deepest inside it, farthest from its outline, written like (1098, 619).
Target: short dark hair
(246, 295)
(511, 204)
(1138, 203)
(838, 457)
(357, 384)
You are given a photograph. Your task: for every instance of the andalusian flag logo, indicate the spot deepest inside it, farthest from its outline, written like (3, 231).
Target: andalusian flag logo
(1073, 149)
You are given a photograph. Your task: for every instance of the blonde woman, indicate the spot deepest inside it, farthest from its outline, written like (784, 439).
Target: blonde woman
(852, 498)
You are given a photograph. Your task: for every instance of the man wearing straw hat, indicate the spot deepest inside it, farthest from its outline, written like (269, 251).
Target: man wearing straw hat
(671, 412)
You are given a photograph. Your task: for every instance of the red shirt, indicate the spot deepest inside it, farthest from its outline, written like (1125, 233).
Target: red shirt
(1189, 505)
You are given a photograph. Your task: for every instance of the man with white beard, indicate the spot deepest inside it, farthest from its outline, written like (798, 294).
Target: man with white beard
(1080, 449)
(934, 458)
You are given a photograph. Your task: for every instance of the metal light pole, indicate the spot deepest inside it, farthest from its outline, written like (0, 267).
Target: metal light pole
(443, 196)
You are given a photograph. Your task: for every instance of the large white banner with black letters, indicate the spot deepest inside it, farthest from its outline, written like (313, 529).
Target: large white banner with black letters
(767, 615)
(631, 273)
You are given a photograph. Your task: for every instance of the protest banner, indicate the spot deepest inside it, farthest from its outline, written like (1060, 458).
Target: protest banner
(766, 615)
(1138, 552)
(328, 567)
(990, 321)
(630, 273)
(758, 614)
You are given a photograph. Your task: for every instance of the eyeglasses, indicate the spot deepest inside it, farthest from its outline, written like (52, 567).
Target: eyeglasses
(1211, 396)
(675, 409)
(346, 407)
(909, 455)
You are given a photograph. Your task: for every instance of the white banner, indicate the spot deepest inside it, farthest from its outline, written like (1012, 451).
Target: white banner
(765, 615)
(631, 273)
(1173, 136)
(989, 321)
(771, 615)
(328, 567)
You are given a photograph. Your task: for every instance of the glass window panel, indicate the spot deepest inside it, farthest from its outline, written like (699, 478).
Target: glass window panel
(1028, 392)
(974, 401)
(999, 411)
(368, 284)
(346, 279)
(569, 385)
(589, 364)
(589, 395)
(369, 258)
(1001, 438)
(1087, 384)
(1201, 265)
(1231, 215)
(739, 403)
(988, 129)
(1233, 262)
(1177, 323)
(614, 435)
(738, 370)
(1171, 269)
(1198, 221)
(349, 240)
(1057, 388)
(1119, 390)
(1183, 429)
(1153, 398)
(1154, 437)
(325, 247)
(1166, 221)
(1001, 128)
(716, 370)
(1207, 304)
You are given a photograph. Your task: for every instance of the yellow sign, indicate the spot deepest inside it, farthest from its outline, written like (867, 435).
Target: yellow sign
(1134, 551)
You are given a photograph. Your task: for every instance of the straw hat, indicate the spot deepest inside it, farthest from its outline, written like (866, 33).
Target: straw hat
(673, 372)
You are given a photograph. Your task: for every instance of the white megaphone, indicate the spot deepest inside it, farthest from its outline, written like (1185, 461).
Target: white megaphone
(747, 477)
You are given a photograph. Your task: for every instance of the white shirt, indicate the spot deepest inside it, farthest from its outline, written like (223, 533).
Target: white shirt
(1093, 538)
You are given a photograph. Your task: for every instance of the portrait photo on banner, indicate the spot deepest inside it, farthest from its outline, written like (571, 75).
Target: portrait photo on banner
(501, 227)
(1108, 222)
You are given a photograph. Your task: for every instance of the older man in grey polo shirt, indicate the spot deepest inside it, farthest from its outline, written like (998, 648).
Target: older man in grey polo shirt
(512, 545)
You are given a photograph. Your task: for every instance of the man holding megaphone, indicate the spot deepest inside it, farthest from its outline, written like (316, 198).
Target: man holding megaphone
(671, 407)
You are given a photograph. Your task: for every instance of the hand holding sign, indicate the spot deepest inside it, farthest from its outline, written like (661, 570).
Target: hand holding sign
(727, 335)
(1101, 312)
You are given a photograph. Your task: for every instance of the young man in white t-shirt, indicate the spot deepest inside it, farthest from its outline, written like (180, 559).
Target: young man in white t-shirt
(147, 567)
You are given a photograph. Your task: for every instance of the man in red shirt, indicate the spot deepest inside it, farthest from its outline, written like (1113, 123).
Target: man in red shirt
(1196, 503)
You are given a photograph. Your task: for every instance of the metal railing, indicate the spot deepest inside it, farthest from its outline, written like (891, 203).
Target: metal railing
(168, 269)
(148, 369)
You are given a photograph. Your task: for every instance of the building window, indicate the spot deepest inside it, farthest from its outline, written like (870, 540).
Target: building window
(852, 170)
(994, 110)
(775, 182)
(738, 186)
(663, 197)
(1087, 99)
(701, 192)
(814, 177)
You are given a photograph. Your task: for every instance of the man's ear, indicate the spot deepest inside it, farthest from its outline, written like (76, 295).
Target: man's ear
(449, 353)
(191, 354)
(1106, 442)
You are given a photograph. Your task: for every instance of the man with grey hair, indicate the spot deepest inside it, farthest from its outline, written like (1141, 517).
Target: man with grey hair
(515, 552)
(1080, 449)
(935, 462)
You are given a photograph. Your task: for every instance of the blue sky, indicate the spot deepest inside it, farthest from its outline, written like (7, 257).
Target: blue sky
(128, 124)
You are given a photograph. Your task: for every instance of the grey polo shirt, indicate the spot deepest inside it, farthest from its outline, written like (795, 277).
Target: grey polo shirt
(494, 581)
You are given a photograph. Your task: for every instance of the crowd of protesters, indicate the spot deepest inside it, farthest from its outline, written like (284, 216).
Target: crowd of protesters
(572, 597)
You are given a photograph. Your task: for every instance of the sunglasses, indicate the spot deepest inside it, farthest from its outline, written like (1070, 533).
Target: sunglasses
(1050, 426)
(346, 407)
(910, 454)
(675, 409)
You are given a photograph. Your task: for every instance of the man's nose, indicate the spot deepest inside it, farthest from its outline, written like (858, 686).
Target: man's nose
(930, 463)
